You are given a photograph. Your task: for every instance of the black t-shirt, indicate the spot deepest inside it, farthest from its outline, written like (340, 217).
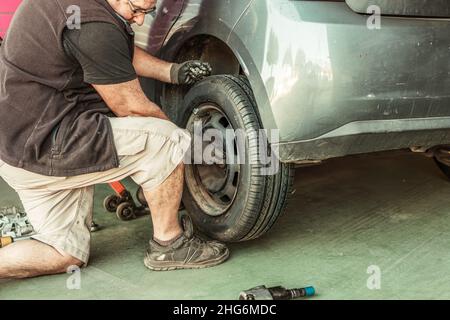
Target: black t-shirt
(102, 53)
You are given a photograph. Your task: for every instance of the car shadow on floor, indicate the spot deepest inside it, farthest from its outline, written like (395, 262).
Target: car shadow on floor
(347, 197)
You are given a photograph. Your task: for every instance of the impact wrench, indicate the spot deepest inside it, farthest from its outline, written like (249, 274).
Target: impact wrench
(276, 293)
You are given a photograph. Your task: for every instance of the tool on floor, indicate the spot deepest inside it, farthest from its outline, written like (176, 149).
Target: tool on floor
(5, 241)
(276, 293)
(14, 223)
(14, 226)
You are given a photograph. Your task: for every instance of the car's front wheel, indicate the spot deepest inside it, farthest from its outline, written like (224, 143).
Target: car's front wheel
(240, 199)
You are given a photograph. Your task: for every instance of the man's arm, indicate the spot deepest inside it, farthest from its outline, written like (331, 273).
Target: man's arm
(128, 99)
(107, 66)
(151, 67)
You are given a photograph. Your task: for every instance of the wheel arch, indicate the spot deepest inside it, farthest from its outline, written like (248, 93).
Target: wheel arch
(199, 47)
(226, 57)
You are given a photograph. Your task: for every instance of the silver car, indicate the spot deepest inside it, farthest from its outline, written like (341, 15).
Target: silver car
(332, 78)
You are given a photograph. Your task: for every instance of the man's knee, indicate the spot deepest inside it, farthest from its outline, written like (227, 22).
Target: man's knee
(67, 262)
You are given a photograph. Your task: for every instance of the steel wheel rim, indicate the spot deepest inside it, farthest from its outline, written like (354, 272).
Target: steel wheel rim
(213, 187)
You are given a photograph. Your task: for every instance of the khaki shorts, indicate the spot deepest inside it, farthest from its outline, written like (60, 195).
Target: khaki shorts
(60, 208)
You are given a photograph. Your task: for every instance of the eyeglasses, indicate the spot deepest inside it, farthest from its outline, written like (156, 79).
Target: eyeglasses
(140, 10)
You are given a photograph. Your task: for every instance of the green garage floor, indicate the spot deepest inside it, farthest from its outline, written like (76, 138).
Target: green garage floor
(388, 210)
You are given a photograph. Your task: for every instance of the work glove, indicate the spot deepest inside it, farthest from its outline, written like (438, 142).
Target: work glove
(189, 72)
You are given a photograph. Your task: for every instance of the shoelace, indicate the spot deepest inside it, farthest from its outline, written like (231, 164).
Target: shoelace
(195, 240)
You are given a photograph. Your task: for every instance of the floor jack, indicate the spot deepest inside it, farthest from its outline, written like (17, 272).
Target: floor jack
(123, 204)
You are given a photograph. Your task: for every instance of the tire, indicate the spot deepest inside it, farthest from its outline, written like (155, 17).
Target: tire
(444, 168)
(256, 200)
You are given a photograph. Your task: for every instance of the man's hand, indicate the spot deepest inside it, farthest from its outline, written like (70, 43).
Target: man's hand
(189, 72)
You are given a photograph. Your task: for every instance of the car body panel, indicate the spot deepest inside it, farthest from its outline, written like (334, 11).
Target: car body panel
(197, 18)
(317, 71)
(201, 17)
(318, 78)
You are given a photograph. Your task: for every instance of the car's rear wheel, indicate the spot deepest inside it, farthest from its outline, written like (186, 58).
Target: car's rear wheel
(230, 201)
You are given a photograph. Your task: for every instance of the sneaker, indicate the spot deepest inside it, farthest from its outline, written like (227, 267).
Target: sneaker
(187, 252)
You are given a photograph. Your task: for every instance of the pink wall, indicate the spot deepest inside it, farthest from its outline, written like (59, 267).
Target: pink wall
(7, 8)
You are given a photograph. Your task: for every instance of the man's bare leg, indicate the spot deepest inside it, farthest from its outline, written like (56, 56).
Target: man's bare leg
(164, 203)
(31, 258)
(172, 248)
